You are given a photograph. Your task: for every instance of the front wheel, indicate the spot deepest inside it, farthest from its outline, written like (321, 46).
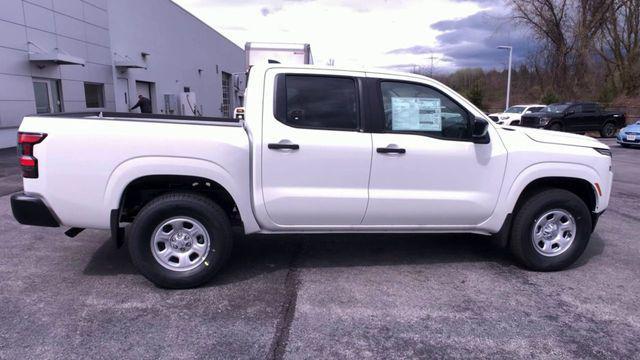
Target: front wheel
(556, 127)
(180, 240)
(551, 230)
(608, 130)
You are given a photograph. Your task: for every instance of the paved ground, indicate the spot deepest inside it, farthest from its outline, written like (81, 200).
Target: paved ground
(328, 297)
(10, 178)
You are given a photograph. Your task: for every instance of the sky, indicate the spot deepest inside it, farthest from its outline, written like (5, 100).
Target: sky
(400, 34)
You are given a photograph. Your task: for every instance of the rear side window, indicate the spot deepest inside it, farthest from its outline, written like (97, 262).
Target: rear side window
(318, 102)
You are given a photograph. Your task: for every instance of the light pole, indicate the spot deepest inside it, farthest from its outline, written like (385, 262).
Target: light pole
(510, 48)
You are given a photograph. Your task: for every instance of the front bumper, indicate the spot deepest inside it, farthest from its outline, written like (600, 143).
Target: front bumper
(31, 210)
(623, 140)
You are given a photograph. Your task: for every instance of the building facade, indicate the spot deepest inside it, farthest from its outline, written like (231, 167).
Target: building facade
(99, 55)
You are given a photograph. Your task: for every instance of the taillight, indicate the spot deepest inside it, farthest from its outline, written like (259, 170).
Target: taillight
(28, 162)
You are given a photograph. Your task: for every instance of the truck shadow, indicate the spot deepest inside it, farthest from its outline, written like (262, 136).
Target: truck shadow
(258, 255)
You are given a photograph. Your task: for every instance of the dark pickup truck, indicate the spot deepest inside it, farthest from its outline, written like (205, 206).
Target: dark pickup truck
(576, 117)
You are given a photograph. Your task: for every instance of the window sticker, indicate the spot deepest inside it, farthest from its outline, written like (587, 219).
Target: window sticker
(416, 114)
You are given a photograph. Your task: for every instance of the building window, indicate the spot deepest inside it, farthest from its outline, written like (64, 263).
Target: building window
(94, 95)
(226, 95)
(48, 95)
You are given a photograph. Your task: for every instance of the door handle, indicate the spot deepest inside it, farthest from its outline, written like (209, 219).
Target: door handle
(279, 146)
(391, 150)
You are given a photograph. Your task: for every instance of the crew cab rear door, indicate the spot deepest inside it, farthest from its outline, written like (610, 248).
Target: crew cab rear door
(426, 171)
(315, 157)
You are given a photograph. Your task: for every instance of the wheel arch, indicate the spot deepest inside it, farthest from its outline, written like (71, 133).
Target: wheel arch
(576, 185)
(576, 178)
(154, 176)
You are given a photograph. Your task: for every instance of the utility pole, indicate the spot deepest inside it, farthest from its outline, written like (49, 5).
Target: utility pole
(510, 48)
(431, 58)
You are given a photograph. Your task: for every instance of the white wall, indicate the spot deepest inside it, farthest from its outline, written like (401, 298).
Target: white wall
(78, 27)
(179, 45)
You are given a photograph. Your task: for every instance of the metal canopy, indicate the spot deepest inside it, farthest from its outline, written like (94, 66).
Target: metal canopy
(125, 62)
(57, 57)
(128, 64)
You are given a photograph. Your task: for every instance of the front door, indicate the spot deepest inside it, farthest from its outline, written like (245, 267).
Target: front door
(315, 159)
(425, 170)
(575, 119)
(123, 100)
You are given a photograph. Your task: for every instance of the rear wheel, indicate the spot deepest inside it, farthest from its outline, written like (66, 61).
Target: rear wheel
(551, 230)
(180, 240)
(608, 130)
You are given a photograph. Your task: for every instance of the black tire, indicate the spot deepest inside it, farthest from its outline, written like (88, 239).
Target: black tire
(205, 211)
(521, 243)
(625, 145)
(608, 130)
(555, 127)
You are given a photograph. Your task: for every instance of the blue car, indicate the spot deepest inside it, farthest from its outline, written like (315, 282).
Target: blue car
(629, 135)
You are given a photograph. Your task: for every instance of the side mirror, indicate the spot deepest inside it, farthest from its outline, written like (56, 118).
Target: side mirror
(480, 133)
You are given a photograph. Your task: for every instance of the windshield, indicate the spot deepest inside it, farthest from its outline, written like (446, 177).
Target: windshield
(515, 110)
(555, 108)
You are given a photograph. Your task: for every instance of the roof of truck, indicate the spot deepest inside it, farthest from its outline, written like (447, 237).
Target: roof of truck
(265, 67)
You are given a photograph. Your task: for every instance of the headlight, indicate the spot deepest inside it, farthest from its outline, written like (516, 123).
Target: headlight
(504, 117)
(605, 152)
(544, 121)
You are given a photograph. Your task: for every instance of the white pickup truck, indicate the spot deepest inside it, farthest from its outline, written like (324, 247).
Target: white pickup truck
(321, 150)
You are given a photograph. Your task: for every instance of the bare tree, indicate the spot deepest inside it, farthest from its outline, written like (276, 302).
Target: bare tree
(619, 45)
(548, 21)
(567, 30)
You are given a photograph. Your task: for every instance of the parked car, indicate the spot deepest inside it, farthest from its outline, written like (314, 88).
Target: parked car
(321, 150)
(629, 135)
(512, 115)
(576, 117)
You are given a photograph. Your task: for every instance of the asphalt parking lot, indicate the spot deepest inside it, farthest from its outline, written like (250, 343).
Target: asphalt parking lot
(338, 296)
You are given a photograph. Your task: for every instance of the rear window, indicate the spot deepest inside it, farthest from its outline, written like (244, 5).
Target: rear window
(318, 102)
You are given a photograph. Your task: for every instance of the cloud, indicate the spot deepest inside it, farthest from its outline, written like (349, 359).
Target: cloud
(355, 33)
(415, 50)
(472, 41)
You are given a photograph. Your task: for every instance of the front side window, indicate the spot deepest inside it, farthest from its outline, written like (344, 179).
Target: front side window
(589, 108)
(576, 109)
(556, 108)
(94, 95)
(421, 109)
(319, 102)
(515, 110)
